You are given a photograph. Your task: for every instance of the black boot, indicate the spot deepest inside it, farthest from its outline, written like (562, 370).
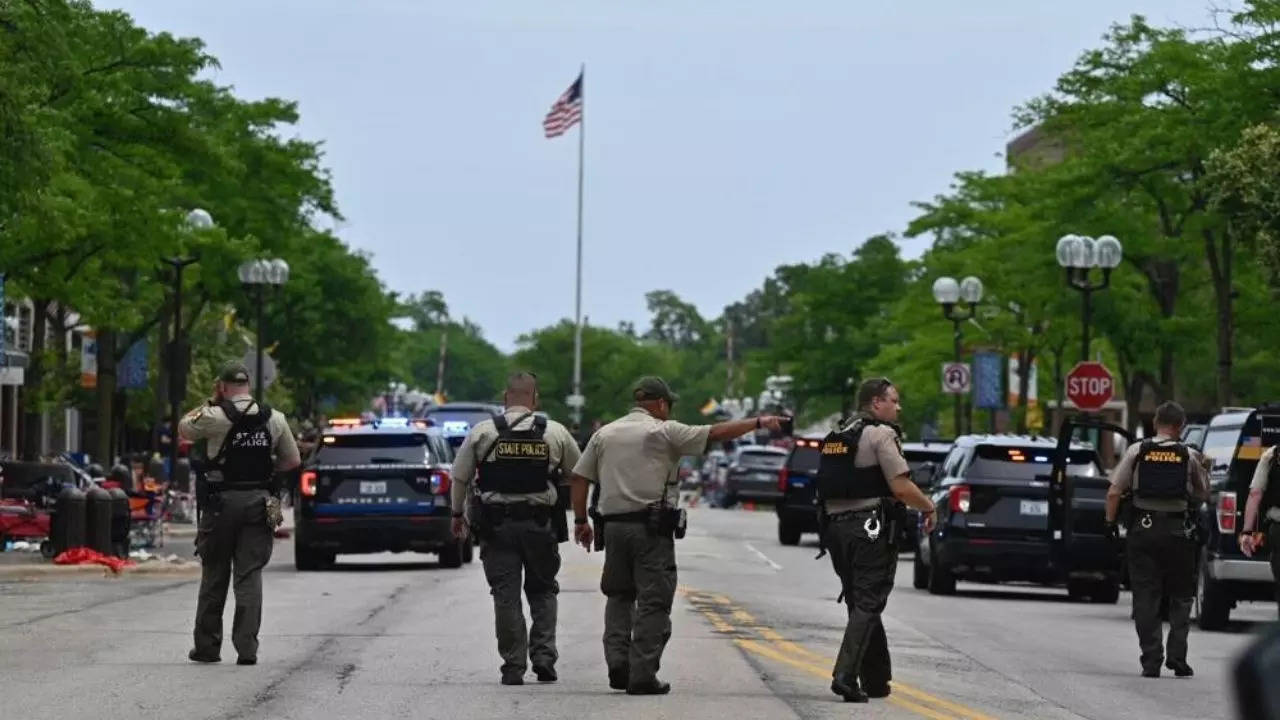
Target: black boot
(619, 677)
(848, 691)
(1180, 668)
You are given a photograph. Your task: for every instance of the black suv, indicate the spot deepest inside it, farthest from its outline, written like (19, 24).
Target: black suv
(455, 420)
(376, 486)
(1233, 443)
(993, 495)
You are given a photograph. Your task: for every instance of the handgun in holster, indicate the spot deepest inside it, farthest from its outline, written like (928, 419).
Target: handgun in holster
(478, 519)
(559, 520)
(597, 519)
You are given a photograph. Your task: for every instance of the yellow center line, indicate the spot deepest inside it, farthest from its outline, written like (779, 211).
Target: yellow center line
(765, 651)
(703, 603)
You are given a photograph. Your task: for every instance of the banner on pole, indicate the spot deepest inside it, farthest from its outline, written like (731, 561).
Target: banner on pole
(89, 360)
(988, 367)
(133, 368)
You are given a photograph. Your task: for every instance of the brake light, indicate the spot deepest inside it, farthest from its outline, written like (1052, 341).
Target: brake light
(308, 484)
(439, 482)
(1227, 513)
(783, 477)
(959, 499)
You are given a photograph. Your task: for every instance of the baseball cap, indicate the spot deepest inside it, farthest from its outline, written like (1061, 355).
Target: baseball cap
(652, 387)
(234, 373)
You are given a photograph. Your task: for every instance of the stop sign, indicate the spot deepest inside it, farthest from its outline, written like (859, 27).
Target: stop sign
(1090, 386)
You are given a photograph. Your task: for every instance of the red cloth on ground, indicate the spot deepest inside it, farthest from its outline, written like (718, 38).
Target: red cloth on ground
(88, 556)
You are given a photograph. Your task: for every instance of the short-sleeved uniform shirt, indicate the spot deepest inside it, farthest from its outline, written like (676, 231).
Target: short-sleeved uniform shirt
(878, 445)
(634, 460)
(211, 424)
(1128, 476)
(1260, 476)
(562, 452)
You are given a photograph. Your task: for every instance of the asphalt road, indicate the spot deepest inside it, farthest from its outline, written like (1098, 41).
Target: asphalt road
(756, 627)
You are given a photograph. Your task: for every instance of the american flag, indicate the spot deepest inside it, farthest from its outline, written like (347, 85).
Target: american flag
(566, 112)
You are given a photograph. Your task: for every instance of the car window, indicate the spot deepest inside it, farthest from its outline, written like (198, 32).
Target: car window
(762, 459)
(364, 449)
(1220, 446)
(804, 459)
(1002, 462)
(951, 468)
(457, 422)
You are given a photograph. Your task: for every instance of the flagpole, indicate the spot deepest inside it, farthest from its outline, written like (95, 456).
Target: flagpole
(577, 311)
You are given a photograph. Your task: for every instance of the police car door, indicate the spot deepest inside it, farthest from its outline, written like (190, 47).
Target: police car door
(1064, 520)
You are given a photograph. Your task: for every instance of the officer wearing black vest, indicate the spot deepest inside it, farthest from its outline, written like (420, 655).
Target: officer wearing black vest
(1166, 481)
(1264, 504)
(248, 444)
(506, 476)
(862, 476)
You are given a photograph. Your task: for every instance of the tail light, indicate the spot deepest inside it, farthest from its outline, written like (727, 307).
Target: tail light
(1227, 513)
(439, 482)
(783, 477)
(308, 484)
(959, 499)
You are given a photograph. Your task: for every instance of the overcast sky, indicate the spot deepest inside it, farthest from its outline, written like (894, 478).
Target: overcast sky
(724, 137)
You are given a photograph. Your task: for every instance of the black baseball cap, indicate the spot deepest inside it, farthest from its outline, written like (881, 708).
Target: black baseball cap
(652, 387)
(234, 373)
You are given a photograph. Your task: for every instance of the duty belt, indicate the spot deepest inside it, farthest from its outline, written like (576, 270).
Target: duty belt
(517, 511)
(853, 514)
(636, 517)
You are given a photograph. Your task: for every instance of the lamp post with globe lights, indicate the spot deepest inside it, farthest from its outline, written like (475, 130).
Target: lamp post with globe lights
(197, 220)
(257, 275)
(1079, 255)
(949, 293)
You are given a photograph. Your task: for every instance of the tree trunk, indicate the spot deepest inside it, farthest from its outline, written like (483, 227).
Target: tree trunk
(1026, 356)
(1219, 255)
(1058, 386)
(105, 451)
(161, 389)
(1163, 278)
(33, 421)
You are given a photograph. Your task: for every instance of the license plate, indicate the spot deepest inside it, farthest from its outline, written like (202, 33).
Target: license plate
(373, 487)
(1035, 507)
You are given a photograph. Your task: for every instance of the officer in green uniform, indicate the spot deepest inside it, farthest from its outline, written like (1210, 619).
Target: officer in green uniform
(1264, 501)
(633, 460)
(248, 444)
(510, 506)
(862, 476)
(1167, 481)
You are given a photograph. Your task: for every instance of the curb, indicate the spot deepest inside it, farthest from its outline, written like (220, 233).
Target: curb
(32, 572)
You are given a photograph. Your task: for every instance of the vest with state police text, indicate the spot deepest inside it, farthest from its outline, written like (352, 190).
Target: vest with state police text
(519, 462)
(1162, 471)
(244, 461)
(839, 477)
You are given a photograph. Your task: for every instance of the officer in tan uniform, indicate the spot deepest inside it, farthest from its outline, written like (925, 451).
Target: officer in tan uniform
(1264, 500)
(862, 476)
(633, 460)
(248, 444)
(519, 458)
(1167, 481)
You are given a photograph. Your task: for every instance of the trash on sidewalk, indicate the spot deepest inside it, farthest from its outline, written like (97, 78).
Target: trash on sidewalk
(87, 556)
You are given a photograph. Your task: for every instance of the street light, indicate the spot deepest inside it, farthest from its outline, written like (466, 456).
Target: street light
(196, 220)
(949, 293)
(1079, 255)
(256, 275)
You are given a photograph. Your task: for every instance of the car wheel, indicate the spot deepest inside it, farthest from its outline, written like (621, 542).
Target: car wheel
(451, 555)
(788, 532)
(919, 573)
(1106, 592)
(305, 559)
(941, 580)
(1213, 604)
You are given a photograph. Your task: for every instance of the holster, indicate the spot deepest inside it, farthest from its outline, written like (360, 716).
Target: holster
(559, 518)
(823, 524)
(481, 524)
(598, 536)
(894, 519)
(664, 521)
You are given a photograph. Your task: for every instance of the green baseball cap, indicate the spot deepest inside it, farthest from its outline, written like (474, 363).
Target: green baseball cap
(234, 373)
(652, 387)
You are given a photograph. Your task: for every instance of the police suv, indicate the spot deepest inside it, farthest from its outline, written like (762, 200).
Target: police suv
(455, 420)
(994, 500)
(376, 486)
(1234, 442)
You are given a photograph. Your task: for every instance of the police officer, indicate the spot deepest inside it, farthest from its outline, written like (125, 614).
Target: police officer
(248, 443)
(633, 460)
(1167, 481)
(518, 457)
(1264, 499)
(862, 475)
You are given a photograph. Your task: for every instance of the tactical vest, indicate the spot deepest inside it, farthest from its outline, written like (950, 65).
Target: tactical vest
(1271, 496)
(1162, 471)
(244, 461)
(838, 477)
(519, 462)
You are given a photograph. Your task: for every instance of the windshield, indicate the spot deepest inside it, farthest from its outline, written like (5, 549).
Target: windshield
(1219, 447)
(457, 422)
(1026, 463)
(772, 461)
(378, 449)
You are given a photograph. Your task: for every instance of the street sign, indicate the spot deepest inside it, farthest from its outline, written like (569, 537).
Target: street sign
(1090, 386)
(988, 371)
(250, 361)
(575, 401)
(956, 378)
